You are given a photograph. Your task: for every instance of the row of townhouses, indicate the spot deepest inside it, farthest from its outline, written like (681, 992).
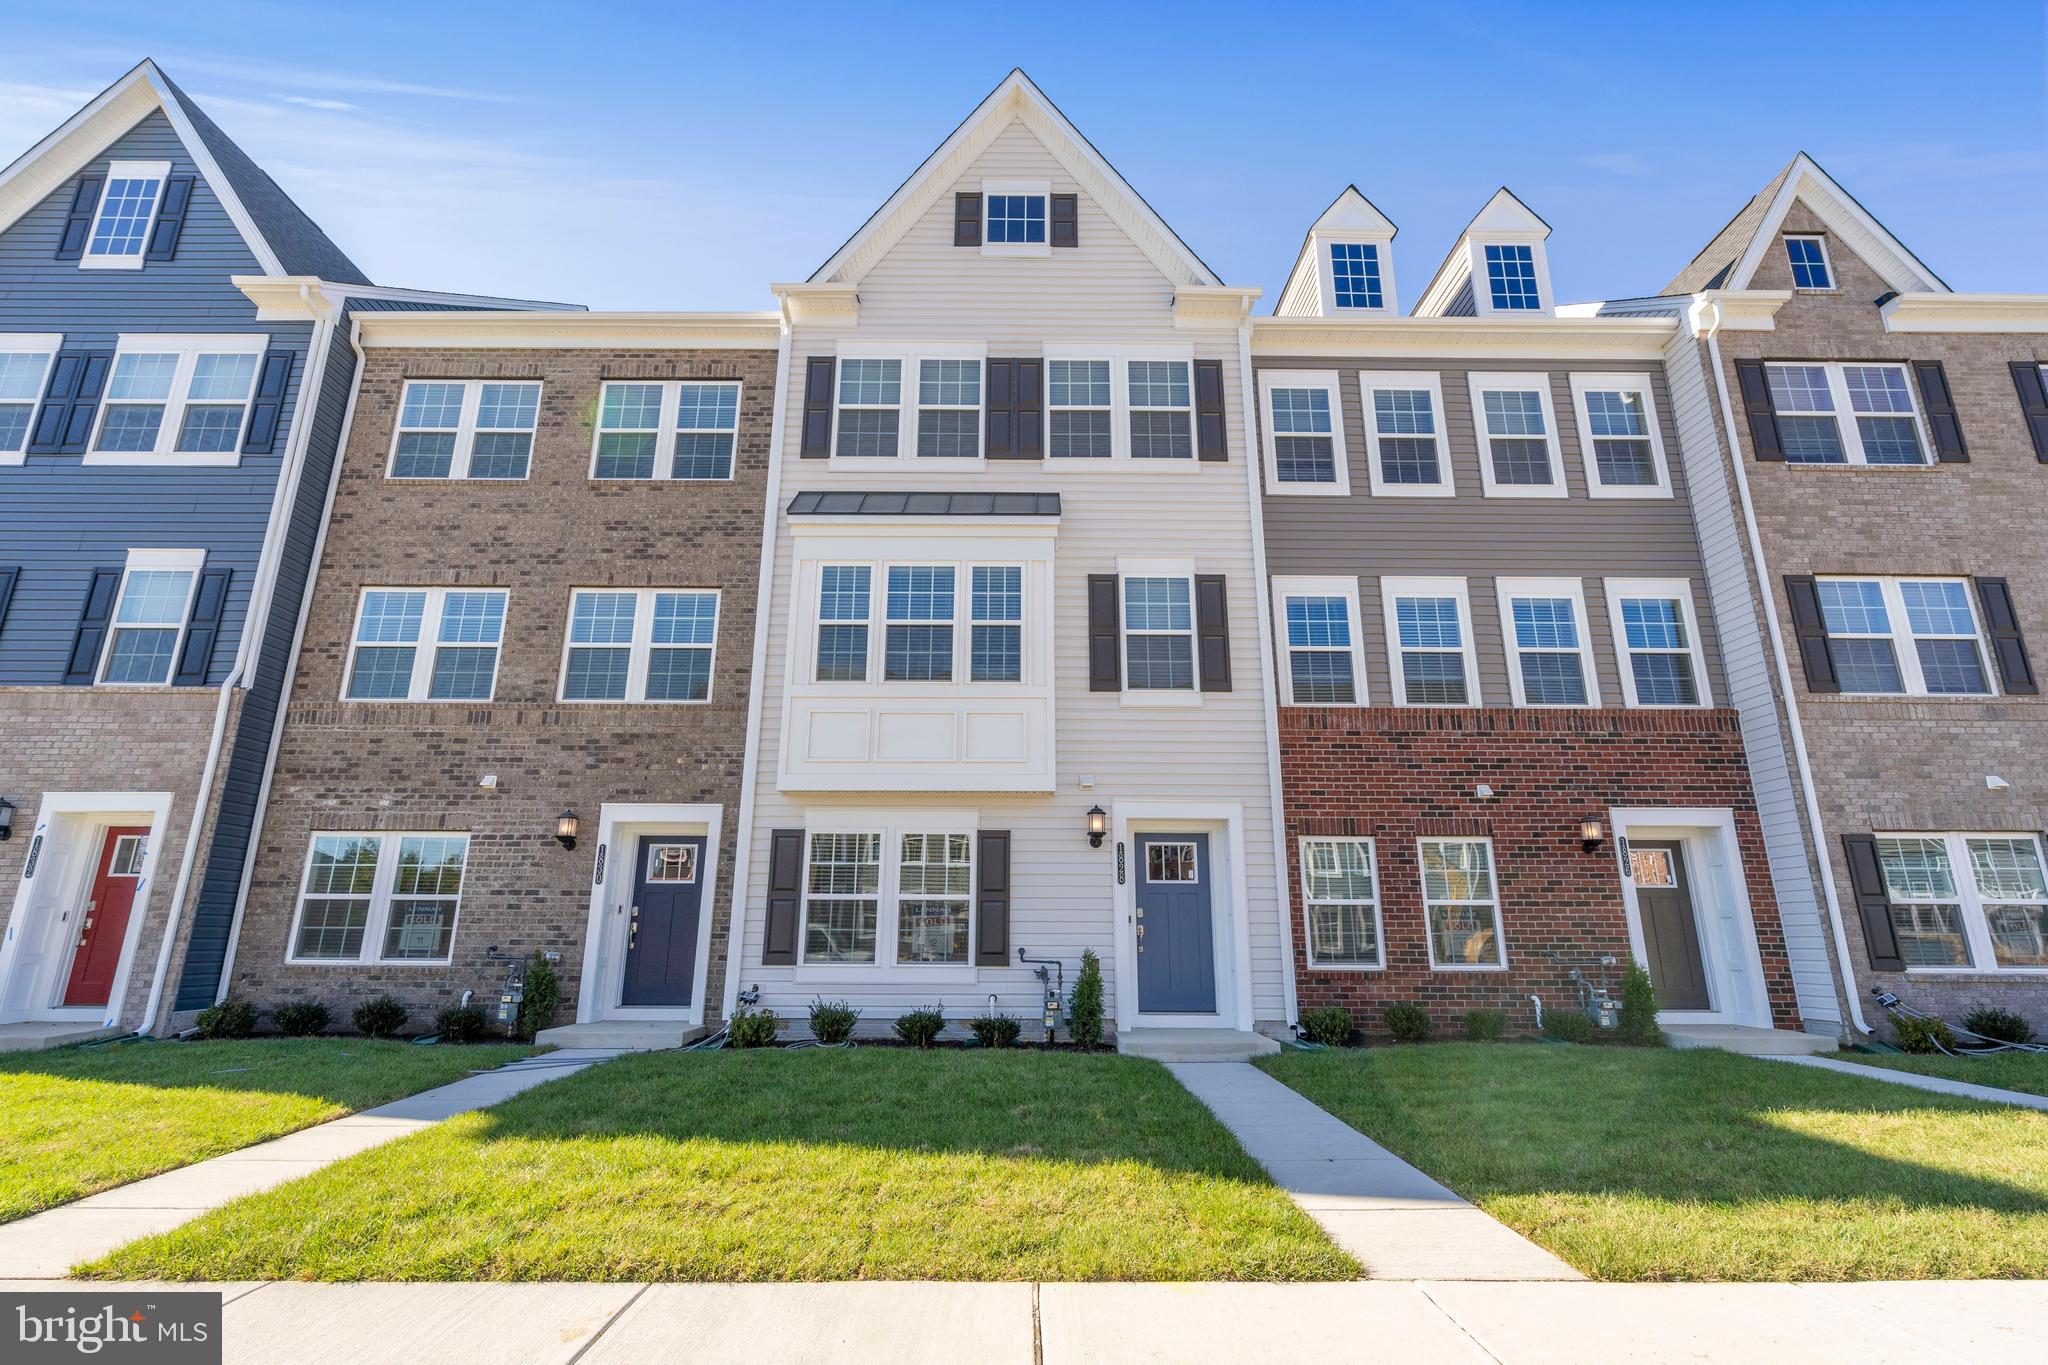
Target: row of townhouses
(1015, 588)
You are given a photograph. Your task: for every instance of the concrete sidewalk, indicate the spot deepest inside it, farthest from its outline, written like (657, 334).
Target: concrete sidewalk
(1940, 1085)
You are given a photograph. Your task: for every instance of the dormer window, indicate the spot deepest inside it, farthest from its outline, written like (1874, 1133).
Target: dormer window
(127, 208)
(1511, 278)
(1355, 274)
(1809, 260)
(1016, 218)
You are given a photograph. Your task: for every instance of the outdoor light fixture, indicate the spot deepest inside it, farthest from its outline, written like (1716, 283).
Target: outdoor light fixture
(565, 828)
(6, 818)
(1098, 825)
(1591, 836)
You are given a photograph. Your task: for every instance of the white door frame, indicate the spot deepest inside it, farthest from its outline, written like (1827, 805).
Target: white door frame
(1720, 905)
(619, 827)
(1223, 822)
(69, 831)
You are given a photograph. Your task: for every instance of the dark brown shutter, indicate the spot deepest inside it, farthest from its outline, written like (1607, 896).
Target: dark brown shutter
(209, 609)
(1212, 632)
(170, 219)
(1756, 401)
(817, 437)
(1066, 222)
(966, 220)
(992, 899)
(1811, 627)
(1105, 661)
(1941, 412)
(2007, 644)
(78, 223)
(8, 578)
(1209, 434)
(1016, 409)
(84, 664)
(785, 895)
(2026, 377)
(268, 408)
(1873, 906)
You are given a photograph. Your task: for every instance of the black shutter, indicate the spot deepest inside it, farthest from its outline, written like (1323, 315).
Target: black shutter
(209, 609)
(268, 407)
(93, 620)
(992, 899)
(1016, 409)
(1756, 401)
(785, 895)
(64, 423)
(2026, 377)
(1212, 632)
(1209, 434)
(1812, 629)
(2007, 644)
(966, 220)
(1066, 220)
(78, 225)
(817, 437)
(1941, 412)
(170, 219)
(8, 578)
(1105, 662)
(1873, 906)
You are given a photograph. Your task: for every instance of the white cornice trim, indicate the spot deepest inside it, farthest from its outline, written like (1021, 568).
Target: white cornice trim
(563, 330)
(1628, 338)
(1212, 305)
(1736, 310)
(287, 297)
(1966, 313)
(819, 305)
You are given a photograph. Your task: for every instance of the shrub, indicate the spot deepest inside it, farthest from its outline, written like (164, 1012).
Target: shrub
(1408, 1023)
(1084, 1007)
(1486, 1026)
(228, 1019)
(920, 1028)
(832, 1021)
(463, 1024)
(1570, 1026)
(1922, 1035)
(302, 1018)
(1330, 1025)
(996, 1030)
(752, 1028)
(381, 1017)
(543, 992)
(1638, 1027)
(1988, 1021)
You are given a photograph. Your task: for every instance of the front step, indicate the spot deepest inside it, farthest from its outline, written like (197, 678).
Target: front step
(1751, 1042)
(40, 1037)
(1194, 1044)
(629, 1035)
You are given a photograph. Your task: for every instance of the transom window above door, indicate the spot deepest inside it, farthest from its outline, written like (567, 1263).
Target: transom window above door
(178, 400)
(465, 429)
(425, 644)
(666, 429)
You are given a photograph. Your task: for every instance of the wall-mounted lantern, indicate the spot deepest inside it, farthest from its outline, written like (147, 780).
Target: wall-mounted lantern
(565, 828)
(6, 818)
(1591, 835)
(1098, 826)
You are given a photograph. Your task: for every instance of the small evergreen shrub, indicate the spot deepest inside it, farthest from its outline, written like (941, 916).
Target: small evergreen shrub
(1638, 1026)
(1407, 1023)
(996, 1030)
(751, 1028)
(543, 993)
(302, 1018)
(228, 1019)
(1989, 1021)
(463, 1024)
(1570, 1026)
(381, 1017)
(832, 1021)
(1486, 1026)
(1922, 1035)
(1329, 1025)
(921, 1028)
(1084, 1006)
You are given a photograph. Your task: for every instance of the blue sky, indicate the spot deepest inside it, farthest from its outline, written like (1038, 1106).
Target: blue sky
(658, 156)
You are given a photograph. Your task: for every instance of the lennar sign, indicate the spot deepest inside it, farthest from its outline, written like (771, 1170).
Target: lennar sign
(118, 1327)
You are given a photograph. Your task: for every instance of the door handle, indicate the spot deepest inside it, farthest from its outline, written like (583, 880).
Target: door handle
(633, 934)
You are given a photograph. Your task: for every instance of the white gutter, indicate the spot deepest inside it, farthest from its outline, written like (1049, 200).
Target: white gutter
(1765, 604)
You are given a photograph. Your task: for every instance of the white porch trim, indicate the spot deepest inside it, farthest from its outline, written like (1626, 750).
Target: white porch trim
(1229, 903)
(619, 823)
(1721, 908)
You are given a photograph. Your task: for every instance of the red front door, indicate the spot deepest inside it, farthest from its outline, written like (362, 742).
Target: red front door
(105, 924)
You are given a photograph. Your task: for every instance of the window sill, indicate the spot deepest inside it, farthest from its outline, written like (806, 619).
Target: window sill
(1347, 966)
(134, 262)
(136, 459)
(13, 457)
(1534, 491)
(1163, 698)
(1473, 967)
(819, 974)
(1980, 975)
(1638, 493)
(376, 962)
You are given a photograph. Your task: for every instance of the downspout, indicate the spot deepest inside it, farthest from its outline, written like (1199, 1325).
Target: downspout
(1765, 602)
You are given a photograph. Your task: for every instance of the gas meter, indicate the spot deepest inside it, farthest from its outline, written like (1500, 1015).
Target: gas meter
(512, 996)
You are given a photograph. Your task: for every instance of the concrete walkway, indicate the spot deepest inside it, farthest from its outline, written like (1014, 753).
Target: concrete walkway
(1398, 1223)
(48, 1244)
(1940, 1085)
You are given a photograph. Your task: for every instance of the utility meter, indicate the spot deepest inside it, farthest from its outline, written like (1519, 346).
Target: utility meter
(513, 994)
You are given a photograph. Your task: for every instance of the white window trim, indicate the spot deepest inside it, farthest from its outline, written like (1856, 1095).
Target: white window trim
(1482, 283)
(911, 356)
(1845, 413)
(1308, 904)
(423, 648)
(1126, 570)
(1525, 381)
(1043, 190)
(46, 344)
(1326, 380)
(667, 428)
(1902, 636)
(1976, 927)
(378, 921)
(891, 826)
(1675, 588)
(1370, 382)
(1827, 262)
(1639, 384)
(1110, 408)
(1500, 932)
(1121, 389)
(1326, 272)
(189, 561)
(466, 432)
(160, 171)
(1345, 588)
(1391, 590)
(1032, 642)
(640, 651)
(188, 347)
(1119, 358)
(979, 408)
(1574, 591)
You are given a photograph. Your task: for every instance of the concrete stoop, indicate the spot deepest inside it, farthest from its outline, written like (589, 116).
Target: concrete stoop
(1194, 1044)
(1751, 1042)
(621, 1035)
(38, 1037)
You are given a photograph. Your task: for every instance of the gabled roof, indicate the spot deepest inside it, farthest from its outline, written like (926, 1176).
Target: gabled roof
(1504, 212)
(1730, 260)
(1016, 98)
(1350, 211)
(279, 234)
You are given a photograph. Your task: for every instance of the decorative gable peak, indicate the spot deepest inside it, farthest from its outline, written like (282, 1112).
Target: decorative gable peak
(1345, 267)
(1500, 266)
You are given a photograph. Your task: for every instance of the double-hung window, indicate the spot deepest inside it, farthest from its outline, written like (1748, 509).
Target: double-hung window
(387, 898)
(1405, 435)
(1911, 636)
(918, 640)
(24, 372)
(1355, 275)
(949, 408)
(1079, 408)
(870, 407)
(1657, 642)
(842, 897)
(1304, 431)
(1511, 278)
(1429, 626)
(938, 623)
(1967, 901)
(1550, 659)
(456, 429)
(1810, 400)
(177, 400)
(425, 644)
(127, 209)
(150, 615)
(1324, 657)
(1162, 409)
(1461, 904)
(897, 896)
(1618, 437)
(1518, 450)
(693, 421)
(843, 609)
(1808, 257)
(640, 644)
(1341, 901)
(1159, 634)
(996, 652)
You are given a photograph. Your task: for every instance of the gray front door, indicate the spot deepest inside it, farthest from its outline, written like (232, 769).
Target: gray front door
(1671, 932)
(661, 938)
(1176, 932)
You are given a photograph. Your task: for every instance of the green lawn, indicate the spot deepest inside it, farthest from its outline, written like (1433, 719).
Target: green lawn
(82, 1120)
(1697, 1165)
(2026, 1071)
(816, 1164)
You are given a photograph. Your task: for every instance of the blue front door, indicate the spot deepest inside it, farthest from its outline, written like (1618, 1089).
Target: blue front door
(1176, 932)
(668, 903)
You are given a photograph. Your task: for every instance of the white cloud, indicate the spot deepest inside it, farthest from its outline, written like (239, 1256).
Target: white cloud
(309, 102)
